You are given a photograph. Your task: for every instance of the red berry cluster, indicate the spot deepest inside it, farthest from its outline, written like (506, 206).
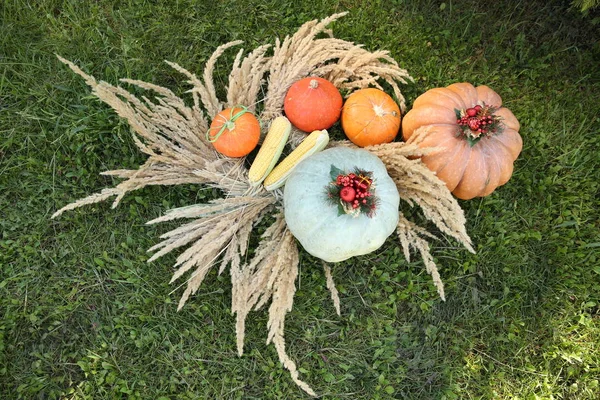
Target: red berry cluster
(478, 119)
(354, 189)
(352, 193)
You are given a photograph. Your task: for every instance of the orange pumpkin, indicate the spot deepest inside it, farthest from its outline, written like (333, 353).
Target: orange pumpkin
(234, 132)
(370, 116)
(313, 104)
(479, 137)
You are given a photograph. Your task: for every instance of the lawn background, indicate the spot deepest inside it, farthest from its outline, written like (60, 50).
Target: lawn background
(82, 315)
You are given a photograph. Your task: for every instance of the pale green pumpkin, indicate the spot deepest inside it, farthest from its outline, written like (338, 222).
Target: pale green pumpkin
(318, 222)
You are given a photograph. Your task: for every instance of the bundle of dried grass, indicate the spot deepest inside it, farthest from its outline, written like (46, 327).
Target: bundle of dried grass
(172, 134)
(418, 185)
(303, 54)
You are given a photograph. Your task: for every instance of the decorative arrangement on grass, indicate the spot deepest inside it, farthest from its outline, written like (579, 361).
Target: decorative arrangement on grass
(479, 139)
(174, 136)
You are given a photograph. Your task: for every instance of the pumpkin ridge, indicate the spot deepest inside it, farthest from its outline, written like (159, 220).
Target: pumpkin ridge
(362, 131)
(508, 118)
(439, 160)
(501, 137)
(444, 130)
(426, 115)
(466, 91)
(456, 149)
(391, 123)
(471, 183)
(439, 96)
(488, 179)
(459, 169)
(445, 93)
(488, 96)
(436, 161)
(487, 170)
(498, 146)
(490, 187)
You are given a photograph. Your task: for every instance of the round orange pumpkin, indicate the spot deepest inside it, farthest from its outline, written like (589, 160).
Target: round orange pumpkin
(234, 132)
(480, 138)
(370, 116)
(313, 104)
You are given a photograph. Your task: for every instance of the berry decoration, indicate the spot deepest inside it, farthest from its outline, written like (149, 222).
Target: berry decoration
(352, 192)
(478, 121)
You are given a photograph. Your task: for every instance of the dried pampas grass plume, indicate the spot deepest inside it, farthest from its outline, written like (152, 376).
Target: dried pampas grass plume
(172, 135)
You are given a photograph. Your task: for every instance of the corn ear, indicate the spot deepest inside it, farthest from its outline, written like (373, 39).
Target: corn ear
(270, 151)
(312, 144)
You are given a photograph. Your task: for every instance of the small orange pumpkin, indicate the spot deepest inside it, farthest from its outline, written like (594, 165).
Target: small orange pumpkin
(479, 137)
(370, 116)
(234, 132)
(313, 104)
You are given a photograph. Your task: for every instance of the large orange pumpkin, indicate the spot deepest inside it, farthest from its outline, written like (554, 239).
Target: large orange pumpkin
(370, 116)
(313, 104)
(234, 132)
(479, 137)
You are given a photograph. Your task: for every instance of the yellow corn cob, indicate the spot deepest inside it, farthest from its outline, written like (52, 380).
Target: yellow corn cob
(270, 151)
(312, 144)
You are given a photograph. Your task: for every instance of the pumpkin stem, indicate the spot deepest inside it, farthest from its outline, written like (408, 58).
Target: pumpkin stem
(313, 84)
(380, 111)
(229, 123)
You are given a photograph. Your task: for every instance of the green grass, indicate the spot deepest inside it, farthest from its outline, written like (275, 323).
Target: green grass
(82, 315)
